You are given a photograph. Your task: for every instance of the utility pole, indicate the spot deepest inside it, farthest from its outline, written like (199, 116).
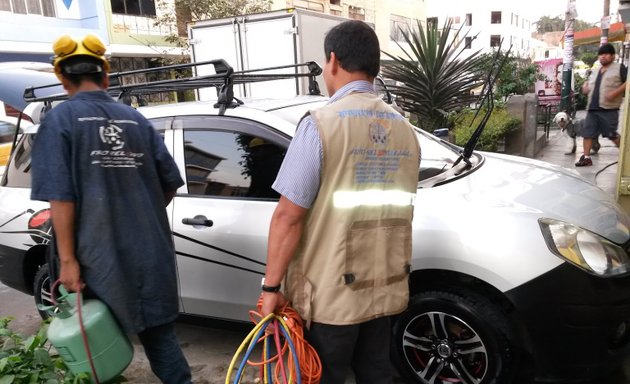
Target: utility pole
(605, 23)
(623, 168)
(567, 61)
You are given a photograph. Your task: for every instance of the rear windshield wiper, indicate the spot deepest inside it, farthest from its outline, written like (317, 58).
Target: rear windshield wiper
(485, 98)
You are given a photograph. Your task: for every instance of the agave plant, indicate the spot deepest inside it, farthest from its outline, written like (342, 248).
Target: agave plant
(432, 79)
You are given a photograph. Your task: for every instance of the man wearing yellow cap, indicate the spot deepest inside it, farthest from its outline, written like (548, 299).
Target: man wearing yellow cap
(108, 178)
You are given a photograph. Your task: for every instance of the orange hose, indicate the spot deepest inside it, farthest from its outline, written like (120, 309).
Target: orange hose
(308, 360)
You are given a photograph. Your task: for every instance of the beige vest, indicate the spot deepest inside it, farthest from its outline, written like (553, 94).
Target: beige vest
(352, 264)
(611, 79)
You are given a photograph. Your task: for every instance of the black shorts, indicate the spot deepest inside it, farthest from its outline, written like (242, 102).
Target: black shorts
(601, 122)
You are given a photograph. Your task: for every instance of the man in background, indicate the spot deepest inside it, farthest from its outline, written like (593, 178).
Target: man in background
(605, 89)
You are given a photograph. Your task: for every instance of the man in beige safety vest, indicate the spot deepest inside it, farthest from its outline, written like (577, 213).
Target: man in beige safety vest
(605, 88)
(340, 237)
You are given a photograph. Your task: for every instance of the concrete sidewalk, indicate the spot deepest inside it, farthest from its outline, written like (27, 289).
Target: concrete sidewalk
(603, 172)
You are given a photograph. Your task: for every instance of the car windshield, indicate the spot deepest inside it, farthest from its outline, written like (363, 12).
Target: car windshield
(437, 156)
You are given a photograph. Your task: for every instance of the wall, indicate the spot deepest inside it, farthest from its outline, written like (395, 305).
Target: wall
(137, 35)
(482, 29)
(527, 141)
(34, 34)
(378, 13)
(29, 37)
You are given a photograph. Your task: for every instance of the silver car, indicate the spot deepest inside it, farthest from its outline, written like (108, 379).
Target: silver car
(520, 268)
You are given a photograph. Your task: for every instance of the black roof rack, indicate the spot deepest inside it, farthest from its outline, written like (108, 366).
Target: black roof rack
(223, 79)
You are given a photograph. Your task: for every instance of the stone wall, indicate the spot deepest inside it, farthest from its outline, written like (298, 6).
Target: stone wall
(527, 140)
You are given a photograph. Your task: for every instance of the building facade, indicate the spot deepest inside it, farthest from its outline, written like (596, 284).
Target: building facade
(127, 27)
(385, 16)
(28, 28)
(485, 24)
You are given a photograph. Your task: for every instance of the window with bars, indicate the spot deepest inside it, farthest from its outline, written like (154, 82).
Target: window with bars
(495, 17)
(356, 13)
(398, 24)
(123, 64)
(495, 40)
(468, 43)
(134, 7)
(29, 7)
(468, 21)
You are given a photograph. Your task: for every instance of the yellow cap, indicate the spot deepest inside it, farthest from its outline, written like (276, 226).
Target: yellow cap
(66, 46)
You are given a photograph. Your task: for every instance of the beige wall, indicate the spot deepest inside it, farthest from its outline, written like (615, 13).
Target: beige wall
(376, 12)
(387, 10)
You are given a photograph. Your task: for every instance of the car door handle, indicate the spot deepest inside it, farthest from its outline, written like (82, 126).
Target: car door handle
(199, 220)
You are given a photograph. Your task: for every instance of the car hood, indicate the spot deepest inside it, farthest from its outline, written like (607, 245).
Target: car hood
(15, 77)
(548, 190)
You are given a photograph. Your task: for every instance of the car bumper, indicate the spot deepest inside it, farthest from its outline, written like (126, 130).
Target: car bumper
(577, 325)
(12, 269)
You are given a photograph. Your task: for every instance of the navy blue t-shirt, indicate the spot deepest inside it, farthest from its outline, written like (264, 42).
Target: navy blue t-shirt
(108, 159)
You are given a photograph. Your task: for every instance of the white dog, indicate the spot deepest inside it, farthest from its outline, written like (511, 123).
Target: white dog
(570, 130)
(565, 123)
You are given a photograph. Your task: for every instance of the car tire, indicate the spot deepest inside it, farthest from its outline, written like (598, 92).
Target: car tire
(448, 336)
(41, 291)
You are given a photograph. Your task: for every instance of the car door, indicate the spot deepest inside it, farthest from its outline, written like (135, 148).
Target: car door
(221, 222)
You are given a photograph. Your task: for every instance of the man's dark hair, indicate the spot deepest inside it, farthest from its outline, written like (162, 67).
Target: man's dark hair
(606, 49)
(356, 47)
(80, 68)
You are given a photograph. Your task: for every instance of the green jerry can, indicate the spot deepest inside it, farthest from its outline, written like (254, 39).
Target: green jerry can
(110, 347)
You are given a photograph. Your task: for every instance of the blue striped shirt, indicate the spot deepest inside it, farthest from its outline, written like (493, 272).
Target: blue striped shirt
(299, 177)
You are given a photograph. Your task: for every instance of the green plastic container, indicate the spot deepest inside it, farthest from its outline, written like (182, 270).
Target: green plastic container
(110, 347)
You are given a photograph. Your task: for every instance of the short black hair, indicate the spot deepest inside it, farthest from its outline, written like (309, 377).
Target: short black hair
(356, 47)
(606, 49)
(80, 68)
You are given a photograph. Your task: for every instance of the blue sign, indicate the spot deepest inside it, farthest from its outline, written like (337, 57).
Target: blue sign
(67, 3)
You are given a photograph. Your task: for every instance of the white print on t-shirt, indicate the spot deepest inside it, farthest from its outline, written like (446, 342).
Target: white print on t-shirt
(110, 135)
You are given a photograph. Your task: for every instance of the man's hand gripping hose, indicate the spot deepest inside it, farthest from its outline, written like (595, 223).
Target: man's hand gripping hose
(284, 330)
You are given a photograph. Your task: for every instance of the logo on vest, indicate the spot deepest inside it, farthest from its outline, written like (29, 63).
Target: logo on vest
(378, 134)
(110, 135)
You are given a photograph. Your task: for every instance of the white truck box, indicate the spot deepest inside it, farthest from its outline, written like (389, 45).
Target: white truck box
(263, 40)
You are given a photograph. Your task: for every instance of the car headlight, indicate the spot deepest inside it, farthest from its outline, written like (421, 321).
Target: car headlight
(586, 249)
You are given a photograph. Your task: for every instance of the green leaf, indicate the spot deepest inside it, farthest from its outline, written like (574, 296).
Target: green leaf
(41, 357)
(30, 343)
(432, 79)
(82, 377)
(26, 360)
(42, 333)
(34, 378)
(49, 376)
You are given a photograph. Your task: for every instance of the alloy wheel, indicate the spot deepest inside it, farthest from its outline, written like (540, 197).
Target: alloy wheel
(443, 349)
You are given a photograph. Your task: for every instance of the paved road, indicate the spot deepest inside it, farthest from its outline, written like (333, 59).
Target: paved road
(209, 348)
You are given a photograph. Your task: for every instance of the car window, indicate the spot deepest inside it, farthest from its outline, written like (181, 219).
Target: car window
(18, 171)
(231, 164)
(7, 130)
